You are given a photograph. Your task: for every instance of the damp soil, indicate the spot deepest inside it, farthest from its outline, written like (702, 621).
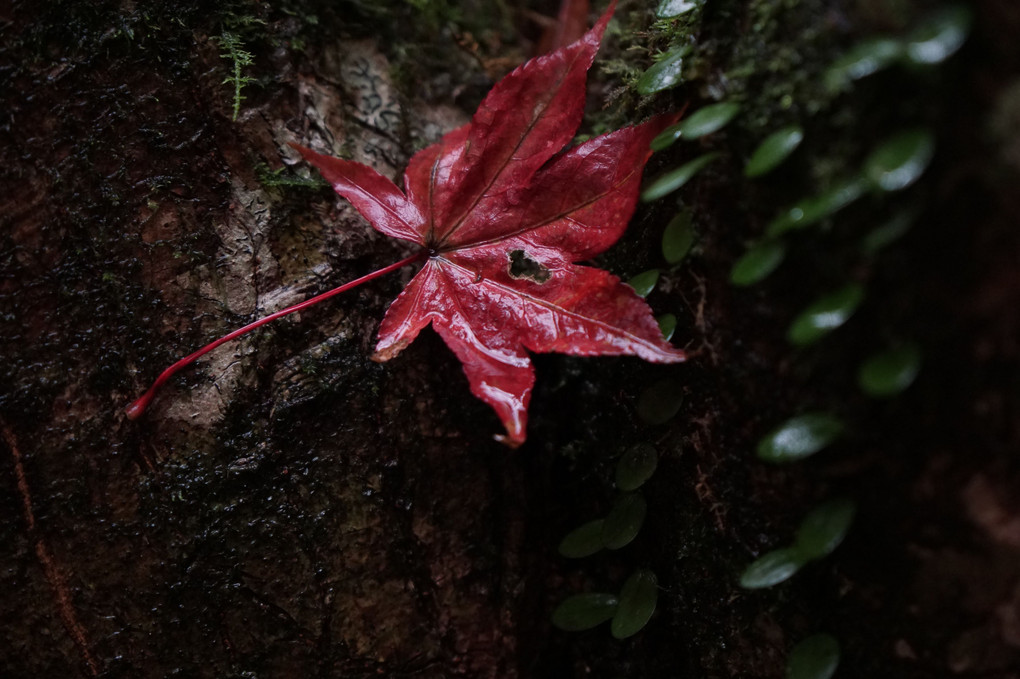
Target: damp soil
(288, 508)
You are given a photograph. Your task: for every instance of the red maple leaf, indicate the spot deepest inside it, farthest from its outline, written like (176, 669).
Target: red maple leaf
(501, 213)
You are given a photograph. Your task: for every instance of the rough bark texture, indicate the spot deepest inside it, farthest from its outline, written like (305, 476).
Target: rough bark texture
(290, 509)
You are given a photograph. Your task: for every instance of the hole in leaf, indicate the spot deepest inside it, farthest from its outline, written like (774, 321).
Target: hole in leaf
(522, 266)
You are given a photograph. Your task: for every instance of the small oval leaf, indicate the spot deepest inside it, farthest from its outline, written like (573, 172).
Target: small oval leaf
(584, 611)
(666, 138)
(660, 402)
(678, 237)
(939, 37)
(636, 466)
(799, 437)
(771, 569)
(644, 282)
(900, 160)
(664, 73)
(758, 262)
(670, 181)
(637, 603)
(815, 208)
(825, 315)
(816, 657)
(668, 9)
(667, 324)
(824, 528)
(708, 120)
(890, 372)
(583, 541)
(861, 61)
(774, 150)
(624, 521)
(889, 232)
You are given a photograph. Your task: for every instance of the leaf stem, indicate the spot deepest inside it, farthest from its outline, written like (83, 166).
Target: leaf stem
(136, 409)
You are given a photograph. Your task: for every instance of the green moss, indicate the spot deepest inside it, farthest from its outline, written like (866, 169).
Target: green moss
(239, 58)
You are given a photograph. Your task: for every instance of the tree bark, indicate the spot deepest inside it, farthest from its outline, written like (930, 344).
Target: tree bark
(289, 508)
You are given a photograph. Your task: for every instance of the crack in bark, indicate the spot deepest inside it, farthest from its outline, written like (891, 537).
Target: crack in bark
(61, 593)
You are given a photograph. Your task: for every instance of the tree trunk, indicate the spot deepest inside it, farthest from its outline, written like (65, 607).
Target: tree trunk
(289, 508)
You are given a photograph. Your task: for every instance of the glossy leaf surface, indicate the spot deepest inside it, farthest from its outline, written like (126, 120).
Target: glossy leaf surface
(671, 180)
(501, 215)
(668, 9)
(638, 597)
(707, 120)
(771, 569)
(666, 138)
(940, 36)
(663, 74)
(799, 437)
(667, 324)
(862, 60)
(644, 282)
(825, 315)
(899, 161)
(813, 209)
(774, 150)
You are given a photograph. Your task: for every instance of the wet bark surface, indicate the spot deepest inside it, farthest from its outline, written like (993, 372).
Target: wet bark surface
(289, 508)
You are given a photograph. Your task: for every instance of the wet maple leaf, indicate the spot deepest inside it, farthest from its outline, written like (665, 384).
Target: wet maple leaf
(502, 215)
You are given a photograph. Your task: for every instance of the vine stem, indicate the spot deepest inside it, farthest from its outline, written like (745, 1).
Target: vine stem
(137, 408)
